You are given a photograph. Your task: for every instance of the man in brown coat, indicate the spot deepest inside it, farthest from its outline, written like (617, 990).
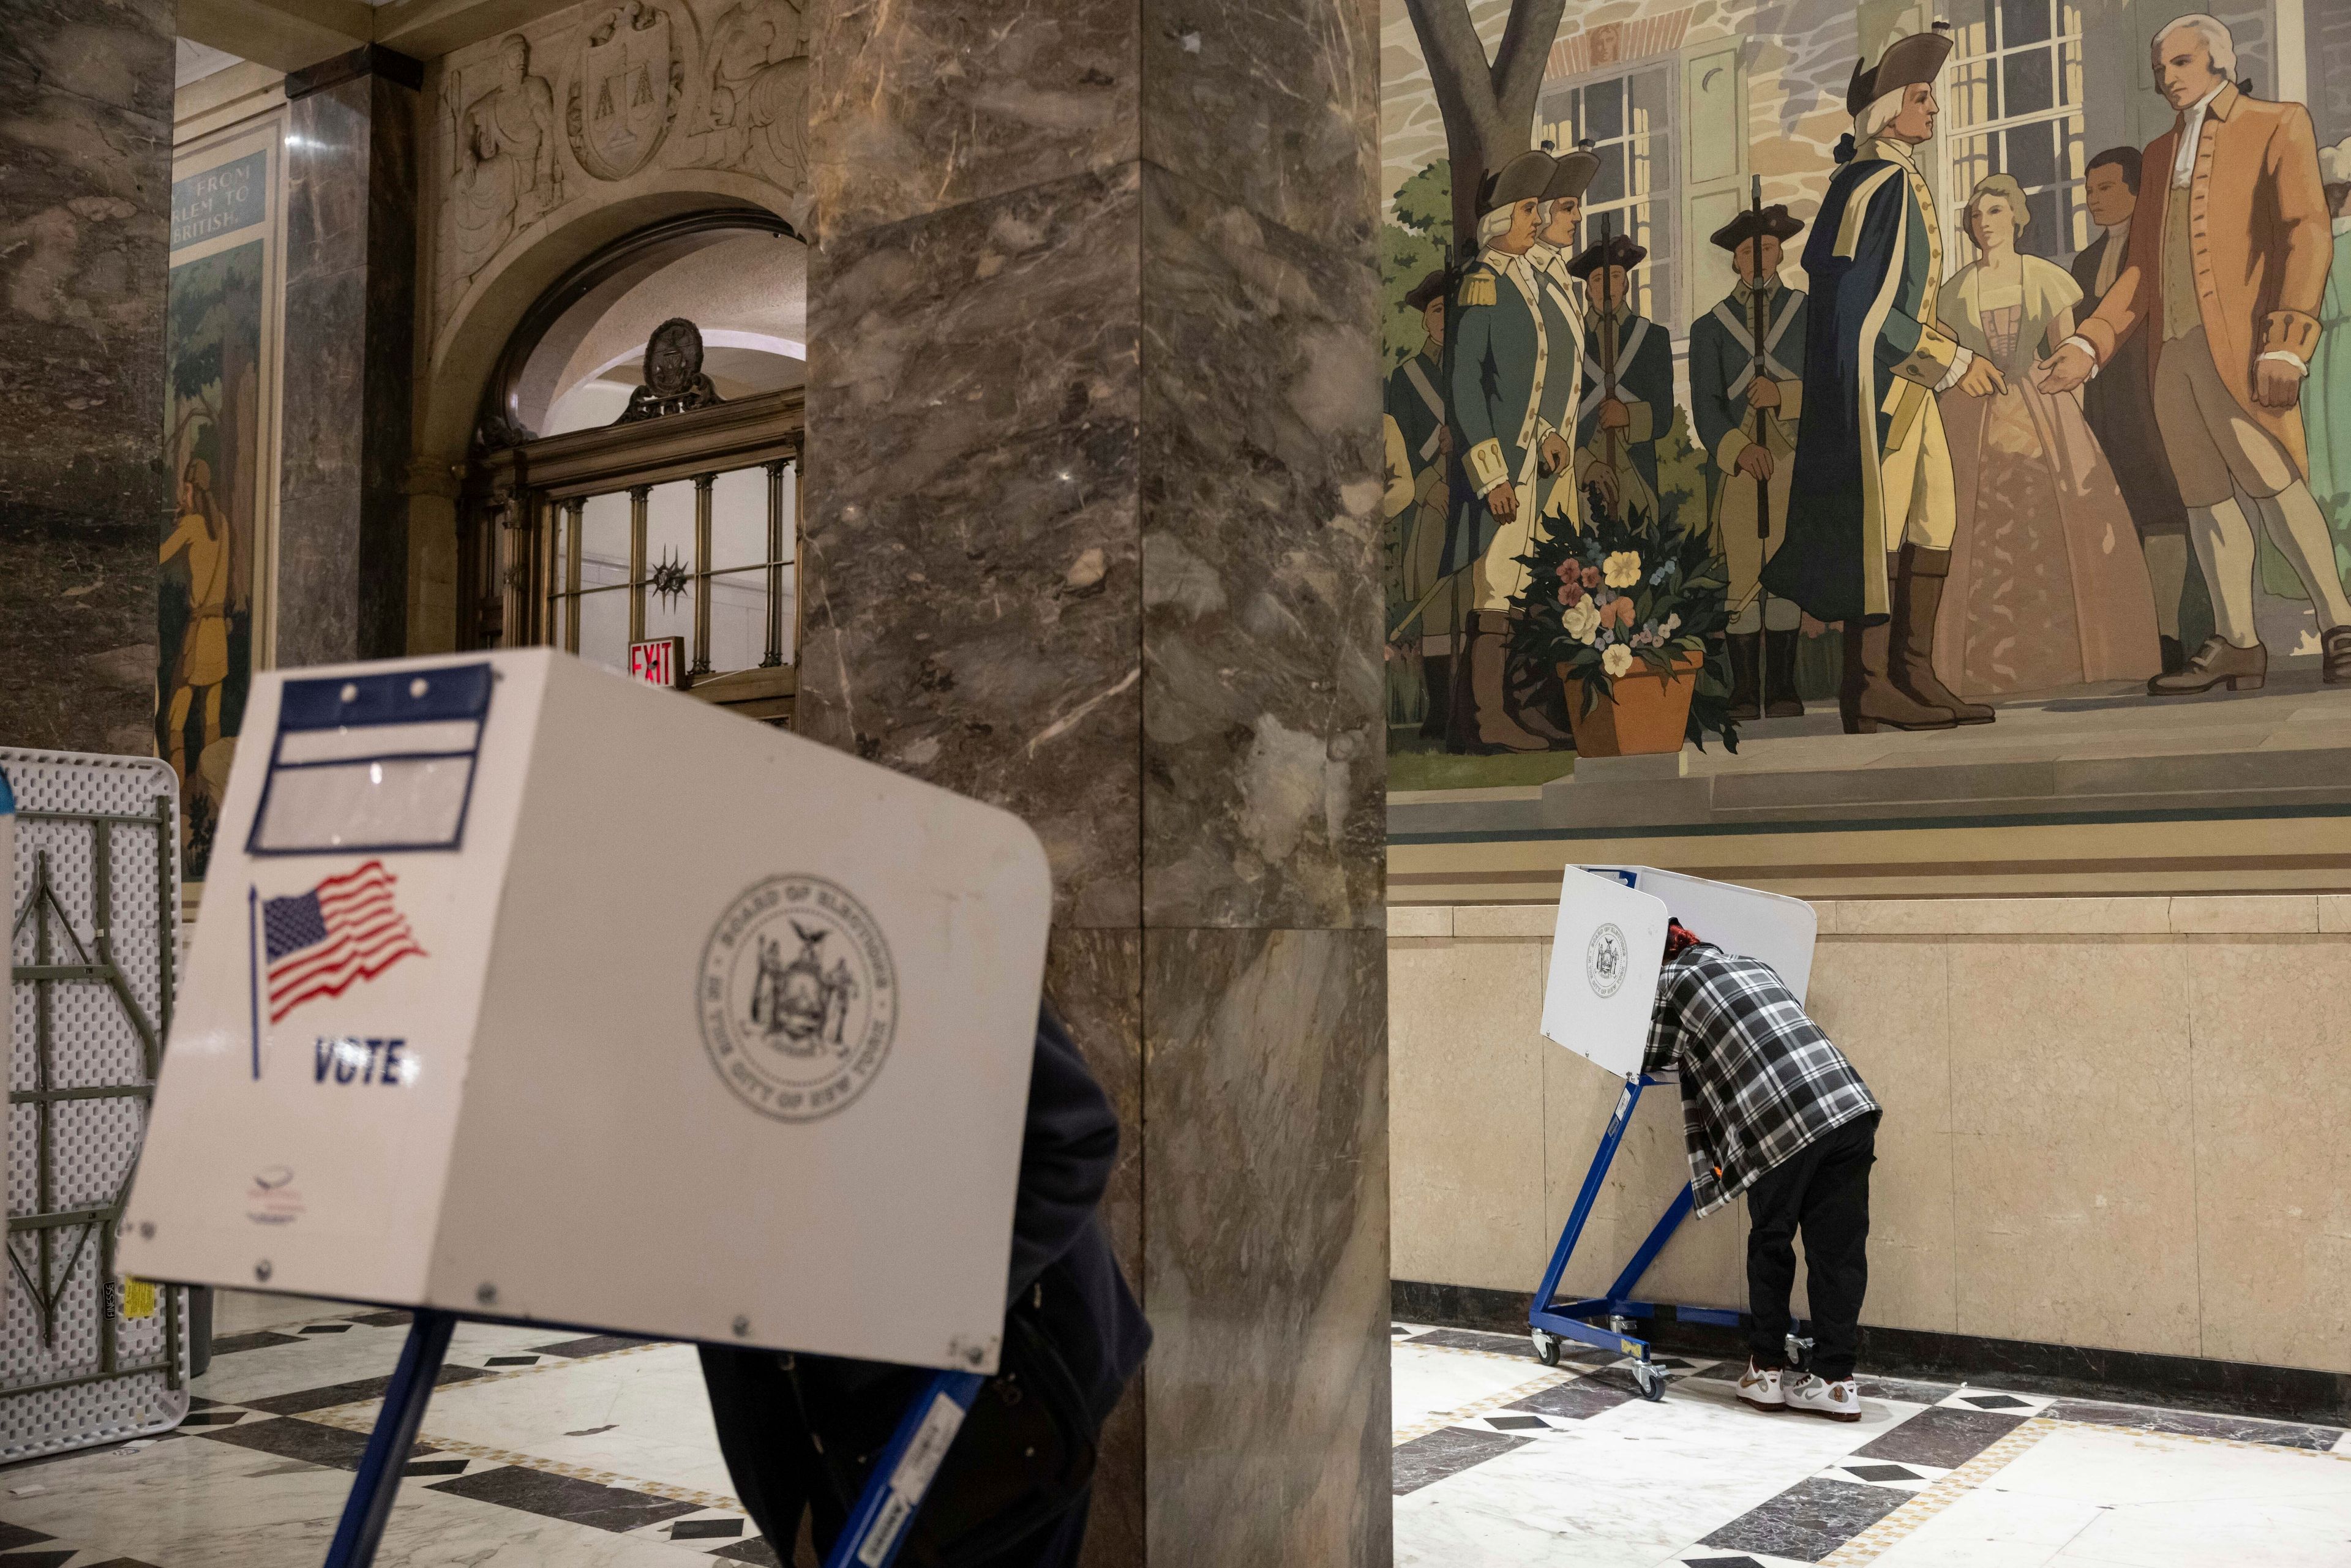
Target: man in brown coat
(2228, 250)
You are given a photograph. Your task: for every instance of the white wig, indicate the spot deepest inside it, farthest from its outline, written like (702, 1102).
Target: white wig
(2215, 34)
(1495, 225)
(1878, 115)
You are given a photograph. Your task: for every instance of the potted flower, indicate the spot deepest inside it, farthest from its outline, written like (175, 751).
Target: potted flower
(1632, 616)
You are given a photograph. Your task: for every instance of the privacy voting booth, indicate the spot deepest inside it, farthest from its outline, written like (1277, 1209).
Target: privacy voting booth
(1607, 951)
(528, 992)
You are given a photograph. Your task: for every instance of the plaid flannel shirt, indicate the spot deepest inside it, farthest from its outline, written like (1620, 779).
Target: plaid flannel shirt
(1759, 1079)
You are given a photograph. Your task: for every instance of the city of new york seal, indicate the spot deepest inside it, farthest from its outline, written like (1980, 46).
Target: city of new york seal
(798, 997)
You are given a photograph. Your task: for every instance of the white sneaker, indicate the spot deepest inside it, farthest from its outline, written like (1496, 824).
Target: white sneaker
(1760, 1388)
(1837, 1401)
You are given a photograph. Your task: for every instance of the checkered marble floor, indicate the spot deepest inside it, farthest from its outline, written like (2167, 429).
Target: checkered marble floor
(542, 1449)
(1501, 1460)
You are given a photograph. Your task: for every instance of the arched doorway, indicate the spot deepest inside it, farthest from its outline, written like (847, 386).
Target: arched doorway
(634, 471)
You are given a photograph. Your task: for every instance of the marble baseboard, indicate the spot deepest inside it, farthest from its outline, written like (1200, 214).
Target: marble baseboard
(1266, 1246)
(1265, 753)
(2268, 1392)
(972, 613)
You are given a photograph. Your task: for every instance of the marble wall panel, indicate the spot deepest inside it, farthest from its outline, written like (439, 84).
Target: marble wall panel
(2274, 1169)
(973, 616)
(1466, 1115)
(1887, 1006)
(2075, 1188)
(85, 116)
(1294, 89)
(1266, 1246)
(1094, 979)
(1008, 100)
(350, 292)
(1265, 741)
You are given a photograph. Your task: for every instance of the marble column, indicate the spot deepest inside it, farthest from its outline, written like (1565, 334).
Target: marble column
(85, 219)
(350, 333)
(1092, 533)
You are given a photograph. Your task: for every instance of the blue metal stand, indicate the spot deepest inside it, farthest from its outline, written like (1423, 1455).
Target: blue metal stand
(876, 1528)
(1552, 1322)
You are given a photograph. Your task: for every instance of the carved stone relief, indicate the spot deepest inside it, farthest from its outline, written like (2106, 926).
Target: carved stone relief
(612, 94)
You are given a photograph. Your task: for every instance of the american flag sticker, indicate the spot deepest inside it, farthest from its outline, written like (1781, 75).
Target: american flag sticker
(323, 942)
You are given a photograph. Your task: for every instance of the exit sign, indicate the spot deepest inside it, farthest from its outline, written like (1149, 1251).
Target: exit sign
(660, 662)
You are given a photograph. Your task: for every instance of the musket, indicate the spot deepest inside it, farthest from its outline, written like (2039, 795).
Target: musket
(1609, 343)
(1758, 321)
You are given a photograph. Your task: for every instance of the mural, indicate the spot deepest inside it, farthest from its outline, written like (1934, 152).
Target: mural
(1897, 310)
(214, 443)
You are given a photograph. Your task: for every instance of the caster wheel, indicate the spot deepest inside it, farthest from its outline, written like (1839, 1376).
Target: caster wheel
(1546, 1348)
(1650, 1380)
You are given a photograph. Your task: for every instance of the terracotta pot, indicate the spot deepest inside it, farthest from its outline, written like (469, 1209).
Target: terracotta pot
(1650, 713)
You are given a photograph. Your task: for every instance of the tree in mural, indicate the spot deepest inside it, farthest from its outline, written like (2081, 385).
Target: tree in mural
(1488, 106)
(1413, 244)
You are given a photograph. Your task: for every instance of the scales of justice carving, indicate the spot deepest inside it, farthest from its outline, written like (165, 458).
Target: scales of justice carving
(641, 89)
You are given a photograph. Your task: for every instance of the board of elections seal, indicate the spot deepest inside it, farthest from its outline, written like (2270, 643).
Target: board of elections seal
(798, 997)
(1604, 959)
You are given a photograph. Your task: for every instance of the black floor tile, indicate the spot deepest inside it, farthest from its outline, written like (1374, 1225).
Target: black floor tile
(354, 1392)
(1446, 1452)
(306, 1440)
(2197, 1424)
(1883, 1473)
(561, 1496)
(119, 1562)
(1475, 1339)
(1581, 1397)
(384, 1319)
(1907, 1391)
(37, 1560)
(1720, 1562)
(1517, 1423)
(212, 1419)
(594, 1345)
(1943, 1437)
(261, 1339)
(12, 1536)
(705, 1530)
(435, 1468)
(327, 1328)
(1809, 1520)
(755, 1550)
(512, 1360)
(1995, 1402)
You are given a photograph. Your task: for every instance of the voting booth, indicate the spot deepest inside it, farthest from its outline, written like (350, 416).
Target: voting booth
(1607, 953)
(529, 992)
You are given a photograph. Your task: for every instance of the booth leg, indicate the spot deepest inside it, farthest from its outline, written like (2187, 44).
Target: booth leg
(877, 1526)
(370, 1504)
(1574, 1230)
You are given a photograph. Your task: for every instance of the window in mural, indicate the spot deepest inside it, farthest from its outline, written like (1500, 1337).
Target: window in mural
(2014, 98)
(1628, 120)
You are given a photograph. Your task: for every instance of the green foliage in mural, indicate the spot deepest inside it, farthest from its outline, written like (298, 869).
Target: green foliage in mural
(1682, 476)
(1414, 243)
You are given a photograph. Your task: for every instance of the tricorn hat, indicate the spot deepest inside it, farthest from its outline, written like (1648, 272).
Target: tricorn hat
(1432, 286)
(1617, 250)
(1523, 179)
(1907, 62)
(1772, 220)
(1572, 176)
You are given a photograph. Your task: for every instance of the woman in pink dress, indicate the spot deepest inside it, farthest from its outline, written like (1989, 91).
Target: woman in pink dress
(2048, 588)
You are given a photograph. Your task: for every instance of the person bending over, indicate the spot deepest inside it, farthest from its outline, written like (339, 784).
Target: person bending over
(799, 1434)
(1772, 1108)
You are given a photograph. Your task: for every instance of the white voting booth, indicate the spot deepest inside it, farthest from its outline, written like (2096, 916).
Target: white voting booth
(526, 991)
(1607, 952)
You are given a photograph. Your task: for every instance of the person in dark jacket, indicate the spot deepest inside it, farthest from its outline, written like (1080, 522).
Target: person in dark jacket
(799, 1432)
(1772, 1109)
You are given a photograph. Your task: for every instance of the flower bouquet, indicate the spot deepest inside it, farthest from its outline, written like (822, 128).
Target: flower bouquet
(1631, 613)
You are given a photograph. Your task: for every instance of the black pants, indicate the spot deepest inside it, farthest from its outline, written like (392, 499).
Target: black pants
(1823, 1190)
(778, 1477)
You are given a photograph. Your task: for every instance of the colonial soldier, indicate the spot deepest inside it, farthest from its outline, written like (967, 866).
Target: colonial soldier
(1565, 307)
(1629, 381)
(1747, 420)
(1418, 444)
(1498, 361)
(1872, 544)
